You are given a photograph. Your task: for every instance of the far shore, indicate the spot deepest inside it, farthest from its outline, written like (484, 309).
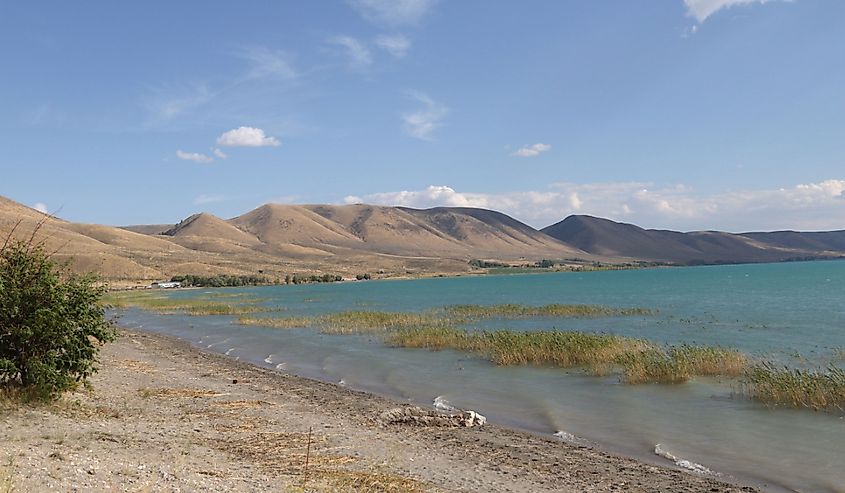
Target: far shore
(163, 415)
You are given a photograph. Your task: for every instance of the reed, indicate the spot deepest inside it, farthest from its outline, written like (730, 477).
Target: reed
(794, 387)
(276, 322)
(357, 322)
(637, 361)
(206, 305)
(511, 310)
(710, 360)
(652, 366)
(436, 339)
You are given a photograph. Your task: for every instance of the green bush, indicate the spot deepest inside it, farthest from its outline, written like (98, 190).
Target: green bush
(51, 323)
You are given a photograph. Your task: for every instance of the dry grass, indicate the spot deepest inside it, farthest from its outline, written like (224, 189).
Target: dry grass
(791, 387)
(366, 482)
(244, 404)
(136, 366)
(7, 476)
(168, 393)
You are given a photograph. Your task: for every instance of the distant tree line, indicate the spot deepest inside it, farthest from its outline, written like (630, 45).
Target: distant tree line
(485, 264)
(297, 279)
(220, 281)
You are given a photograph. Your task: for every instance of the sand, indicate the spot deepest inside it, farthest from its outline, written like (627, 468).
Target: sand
(164, 416)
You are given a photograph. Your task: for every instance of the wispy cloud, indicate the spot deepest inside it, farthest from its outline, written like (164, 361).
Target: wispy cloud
(208, 199)
(397, 45)
(702, 9)
(813, 206)
(246, 137)
(219, 153)
(532, 150)
(393, 12)
(423, 122)
(264, 62)
(165, 106)
(194, 156)
(357, 53)
(41, 207)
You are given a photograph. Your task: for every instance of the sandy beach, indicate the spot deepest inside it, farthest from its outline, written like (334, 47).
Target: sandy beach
(164, 416)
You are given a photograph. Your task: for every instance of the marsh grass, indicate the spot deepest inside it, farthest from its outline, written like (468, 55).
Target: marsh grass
(636, 360)
(208, 304)
(276, 322)
(820, 390)
(511, 310)
(360, 321)
(353, 322)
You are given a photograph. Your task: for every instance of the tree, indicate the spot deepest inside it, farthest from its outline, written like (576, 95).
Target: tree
(52, 323)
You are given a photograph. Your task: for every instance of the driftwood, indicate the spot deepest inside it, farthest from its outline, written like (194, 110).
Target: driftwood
(417, 416)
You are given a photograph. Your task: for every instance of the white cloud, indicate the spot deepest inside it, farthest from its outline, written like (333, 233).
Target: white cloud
(194, 156)
(702, 9)
(814, 206)
(41, 207)
(397, 45)
(359, 55)
(393, 12)
(532, 150)
(208, 199)
(422, 123)
(267, 63)
(219, 153)
(246, 137)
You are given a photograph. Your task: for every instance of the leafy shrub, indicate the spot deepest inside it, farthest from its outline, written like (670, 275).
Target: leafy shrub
(51, 323)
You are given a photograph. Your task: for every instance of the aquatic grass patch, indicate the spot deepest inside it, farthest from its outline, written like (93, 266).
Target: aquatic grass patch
(363, 321)
(436, 339)
(558, 348)
(510, 348)
(820, 390)
(635, 360)
(276, 322)
(512, 310)
(653, 365)
(198, 306)
(351, 322)
(710, 360)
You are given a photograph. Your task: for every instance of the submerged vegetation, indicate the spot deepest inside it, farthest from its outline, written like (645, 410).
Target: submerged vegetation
(819, 390)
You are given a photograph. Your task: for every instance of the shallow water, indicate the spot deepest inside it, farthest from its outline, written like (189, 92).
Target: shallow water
(792, 313)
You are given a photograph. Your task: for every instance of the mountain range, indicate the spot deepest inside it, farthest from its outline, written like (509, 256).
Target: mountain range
(277, 240)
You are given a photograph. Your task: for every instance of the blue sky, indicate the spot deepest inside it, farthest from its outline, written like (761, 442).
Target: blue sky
(689, 114)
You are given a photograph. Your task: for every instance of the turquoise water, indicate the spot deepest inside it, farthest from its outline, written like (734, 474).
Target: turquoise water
(793, 313)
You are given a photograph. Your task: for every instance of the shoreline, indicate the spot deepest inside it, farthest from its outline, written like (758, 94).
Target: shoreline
(164, 414)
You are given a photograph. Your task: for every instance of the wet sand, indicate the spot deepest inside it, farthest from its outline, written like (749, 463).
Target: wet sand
(164, 416)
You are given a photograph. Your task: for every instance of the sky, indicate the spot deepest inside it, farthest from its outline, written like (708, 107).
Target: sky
(681, 114)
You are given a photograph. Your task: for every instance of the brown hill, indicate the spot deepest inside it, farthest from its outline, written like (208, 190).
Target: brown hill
(605, 237)
(285, 239)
